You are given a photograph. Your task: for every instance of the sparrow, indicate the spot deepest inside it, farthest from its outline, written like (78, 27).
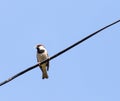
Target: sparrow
(42, 55)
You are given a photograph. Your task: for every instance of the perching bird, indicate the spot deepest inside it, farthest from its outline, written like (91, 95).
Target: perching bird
(41, 56)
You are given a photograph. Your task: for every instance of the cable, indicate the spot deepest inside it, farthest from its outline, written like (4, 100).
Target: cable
(59, 53)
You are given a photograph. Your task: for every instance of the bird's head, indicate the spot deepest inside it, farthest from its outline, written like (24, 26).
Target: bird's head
(40, 48)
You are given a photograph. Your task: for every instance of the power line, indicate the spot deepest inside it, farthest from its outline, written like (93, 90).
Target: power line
(59, 53)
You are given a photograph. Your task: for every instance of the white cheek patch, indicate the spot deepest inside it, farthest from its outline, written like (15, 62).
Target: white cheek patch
(41, 48)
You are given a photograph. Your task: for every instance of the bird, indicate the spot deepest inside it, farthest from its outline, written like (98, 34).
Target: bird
(42, 55)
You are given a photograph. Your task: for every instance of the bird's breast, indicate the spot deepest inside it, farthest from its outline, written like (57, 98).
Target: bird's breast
(41, 57)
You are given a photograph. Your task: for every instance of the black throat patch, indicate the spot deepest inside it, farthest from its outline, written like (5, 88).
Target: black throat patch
(40, 51)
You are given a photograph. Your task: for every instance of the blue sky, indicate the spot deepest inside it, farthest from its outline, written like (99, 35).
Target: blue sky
(88, 72)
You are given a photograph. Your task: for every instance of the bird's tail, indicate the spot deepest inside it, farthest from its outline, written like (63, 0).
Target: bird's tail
(44, 73)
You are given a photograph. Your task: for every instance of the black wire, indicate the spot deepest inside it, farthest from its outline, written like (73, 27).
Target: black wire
(87, 37)
(59, 53)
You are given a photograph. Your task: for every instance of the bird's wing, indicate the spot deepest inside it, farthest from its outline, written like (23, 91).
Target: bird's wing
(47, 64)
